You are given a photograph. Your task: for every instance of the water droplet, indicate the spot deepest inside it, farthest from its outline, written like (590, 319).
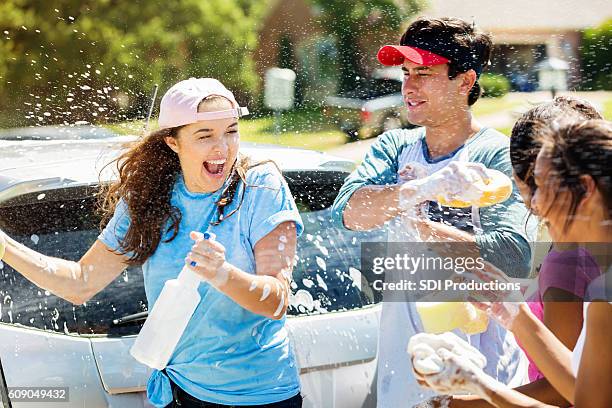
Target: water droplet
(321, 282)
(266, 292)
(308, 283)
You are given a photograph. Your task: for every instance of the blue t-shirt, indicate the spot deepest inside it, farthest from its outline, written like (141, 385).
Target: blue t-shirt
(227, 354)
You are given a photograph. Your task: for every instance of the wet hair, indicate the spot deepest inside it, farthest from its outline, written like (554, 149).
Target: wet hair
(147, 173)
(462, 43)
(524, 142)
(577, 149)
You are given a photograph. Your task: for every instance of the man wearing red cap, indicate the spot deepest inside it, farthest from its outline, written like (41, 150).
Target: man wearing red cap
(442, 59)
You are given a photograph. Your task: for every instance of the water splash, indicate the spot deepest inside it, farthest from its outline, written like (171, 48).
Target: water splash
(266, 292)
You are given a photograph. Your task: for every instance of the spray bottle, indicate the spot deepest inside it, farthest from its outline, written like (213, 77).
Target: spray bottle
(168, 319)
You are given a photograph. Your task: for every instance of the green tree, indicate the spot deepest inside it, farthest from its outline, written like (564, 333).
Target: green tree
(597, 57)
(75, 60)
(350, 21)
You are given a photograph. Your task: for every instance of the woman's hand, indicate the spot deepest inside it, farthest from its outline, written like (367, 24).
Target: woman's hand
(207, 259)
(503, 306)
(459, 375)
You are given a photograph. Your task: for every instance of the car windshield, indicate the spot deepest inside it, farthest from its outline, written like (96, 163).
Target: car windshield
(63, 223)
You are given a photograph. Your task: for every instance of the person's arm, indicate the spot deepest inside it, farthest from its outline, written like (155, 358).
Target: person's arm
(540, 390)
(564, 319)
(265, 293)
(503, 397)
(593, 382)
(76, 282)
(595, 370)
(551, 356)
(369, 196)
(358, 214)
(504, 241)
(460, 374)
(271, 223)
(440, 232)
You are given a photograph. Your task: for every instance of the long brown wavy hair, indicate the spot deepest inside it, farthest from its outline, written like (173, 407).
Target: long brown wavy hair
(147, 173)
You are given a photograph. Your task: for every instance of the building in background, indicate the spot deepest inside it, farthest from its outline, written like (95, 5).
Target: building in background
(525, 33)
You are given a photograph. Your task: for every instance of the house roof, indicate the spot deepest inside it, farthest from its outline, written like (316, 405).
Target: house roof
(538, 15)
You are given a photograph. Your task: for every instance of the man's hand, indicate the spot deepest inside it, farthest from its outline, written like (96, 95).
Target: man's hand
(455, 181)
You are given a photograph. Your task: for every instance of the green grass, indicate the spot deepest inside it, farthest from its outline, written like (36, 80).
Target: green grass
(505, 130)
(607, 109)
(488, 106)
(308, 129)
(134, 127)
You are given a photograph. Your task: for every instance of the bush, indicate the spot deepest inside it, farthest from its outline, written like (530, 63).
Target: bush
(494, 85)
(596, 57)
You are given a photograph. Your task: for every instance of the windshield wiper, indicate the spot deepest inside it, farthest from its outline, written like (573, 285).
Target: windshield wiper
(130, 318)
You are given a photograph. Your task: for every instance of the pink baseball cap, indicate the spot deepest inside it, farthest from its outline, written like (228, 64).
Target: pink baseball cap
(179, 106)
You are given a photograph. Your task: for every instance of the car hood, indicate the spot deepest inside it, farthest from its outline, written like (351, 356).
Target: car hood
(85, 161)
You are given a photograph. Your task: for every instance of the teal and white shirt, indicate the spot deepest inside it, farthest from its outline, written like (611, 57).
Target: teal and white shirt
(500, 233)
(500, 229)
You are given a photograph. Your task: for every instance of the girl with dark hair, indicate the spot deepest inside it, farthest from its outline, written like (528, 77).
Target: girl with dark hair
(180, 181)
(524, 143)
(566, 270)
(573, 178)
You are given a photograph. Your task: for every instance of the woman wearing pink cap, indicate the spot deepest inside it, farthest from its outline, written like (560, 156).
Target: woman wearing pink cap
(185, 178)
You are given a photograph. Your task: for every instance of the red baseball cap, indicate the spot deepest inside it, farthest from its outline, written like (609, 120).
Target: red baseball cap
(396, 54)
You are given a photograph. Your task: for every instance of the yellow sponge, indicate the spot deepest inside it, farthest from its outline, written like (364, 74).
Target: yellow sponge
(440, 317)
(496, 190)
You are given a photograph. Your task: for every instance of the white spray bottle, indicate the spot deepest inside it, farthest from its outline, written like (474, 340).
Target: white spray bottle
(168, 319)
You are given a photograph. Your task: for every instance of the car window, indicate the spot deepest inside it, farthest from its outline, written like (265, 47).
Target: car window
(327, 276)
(41, 227)
(63, 223)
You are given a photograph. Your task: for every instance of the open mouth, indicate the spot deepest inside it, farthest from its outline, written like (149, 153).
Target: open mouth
(414, 104)
(214, 167)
